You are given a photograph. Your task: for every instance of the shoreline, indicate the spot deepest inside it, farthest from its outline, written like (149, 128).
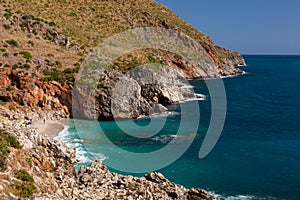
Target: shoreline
(50, 128)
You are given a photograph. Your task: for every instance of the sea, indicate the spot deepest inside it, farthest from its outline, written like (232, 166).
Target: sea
(257, 155)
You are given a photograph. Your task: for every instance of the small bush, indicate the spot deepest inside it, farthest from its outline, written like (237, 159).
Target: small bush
(72, 14)
(9, 88)
(2, 50)
(58, 63)
(7, 15)
(26, 66)
(6, 65)
(15, 66)
(29, 162)
(24, 176)
(11, 108)
(178, 57)
(16, 54)
(46, 72)
(152, 59)
(31, 43)
(12, 43)
(70, 78)
(6, 26)
(22, 189)
(51, 24)
(13, 83)
(5, 54)
(26, 55)
(6, 140)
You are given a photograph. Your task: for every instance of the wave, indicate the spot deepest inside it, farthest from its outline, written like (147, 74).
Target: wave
(82, 154)
(86, 157)
(235, 75)
(164, 138)
(62, 136)
(187, 86)
(157, 115)
(198, 97)
(240, 197)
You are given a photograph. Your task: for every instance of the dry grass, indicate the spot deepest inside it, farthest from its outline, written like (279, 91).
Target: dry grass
(87, 23)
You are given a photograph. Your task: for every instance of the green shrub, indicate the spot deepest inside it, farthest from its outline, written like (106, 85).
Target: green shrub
(5, 54)
(7, 15)
(24, 176)
(178, 57)
(13, 83)
(2, 103)
(58, 63)
(22, 189)
(12, 43)
(11, 108)
(46, 72)
(72, 14)
(68, 71)
(30, 43)
(26, 66)
(16, 54)
(26, 55)
(6, 140)
(2, 50)
(6, 65)
(70, 78)
(9, 88)
(29, 162)
(6, 26)
(151, 59)
(51, 24)
(45, 79)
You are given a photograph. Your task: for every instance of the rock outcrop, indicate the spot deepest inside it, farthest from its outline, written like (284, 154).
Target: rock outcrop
(50, 163)
(143, 91)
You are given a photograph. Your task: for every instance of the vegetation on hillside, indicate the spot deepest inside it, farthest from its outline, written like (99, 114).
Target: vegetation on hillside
(59, 34)
(24, 187)
(6, 141)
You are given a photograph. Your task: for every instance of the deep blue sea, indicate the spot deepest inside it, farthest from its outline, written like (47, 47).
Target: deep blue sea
(258, 153)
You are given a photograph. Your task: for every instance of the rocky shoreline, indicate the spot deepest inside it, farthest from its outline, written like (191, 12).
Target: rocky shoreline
(52, 168)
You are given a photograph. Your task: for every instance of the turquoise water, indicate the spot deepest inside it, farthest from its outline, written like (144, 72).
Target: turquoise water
(258, 153)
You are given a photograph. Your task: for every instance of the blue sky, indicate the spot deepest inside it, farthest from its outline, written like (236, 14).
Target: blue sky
(246, 26)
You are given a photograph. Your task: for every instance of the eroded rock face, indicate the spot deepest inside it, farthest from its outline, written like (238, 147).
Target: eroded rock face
(30, 93)
(142, 91)
(50, 163)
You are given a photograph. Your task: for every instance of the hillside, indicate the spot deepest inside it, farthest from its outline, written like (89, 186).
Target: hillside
(43, 44)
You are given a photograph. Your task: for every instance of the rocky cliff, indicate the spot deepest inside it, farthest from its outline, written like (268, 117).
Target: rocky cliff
(43, 45)
(37, 167)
